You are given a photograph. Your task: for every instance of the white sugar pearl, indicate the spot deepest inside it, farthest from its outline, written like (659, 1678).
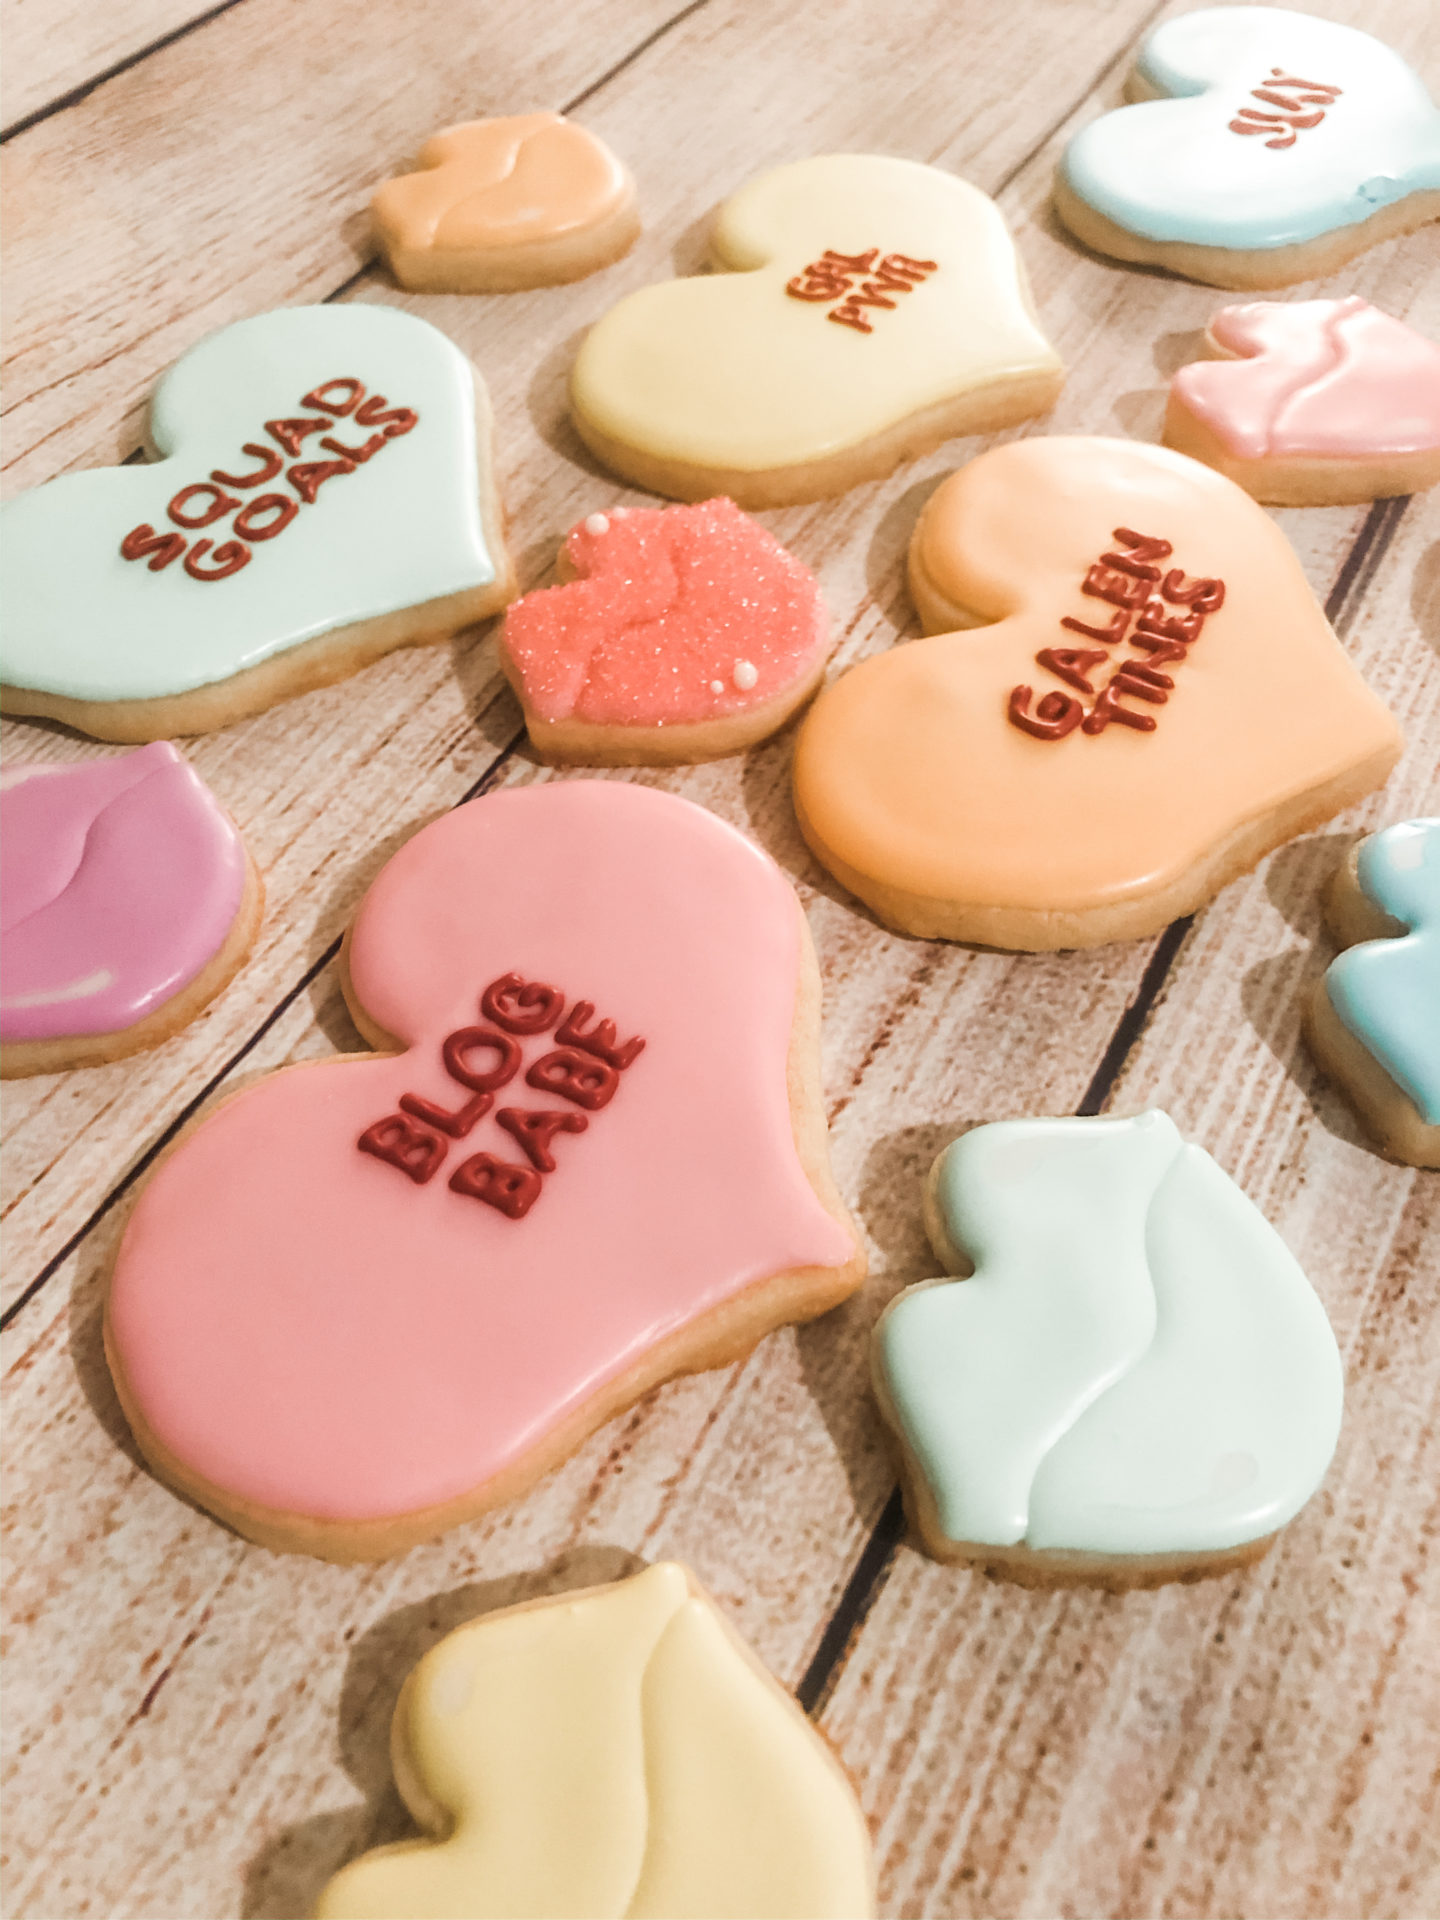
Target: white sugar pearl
(745, 675)
(597, 523)
(717, 686)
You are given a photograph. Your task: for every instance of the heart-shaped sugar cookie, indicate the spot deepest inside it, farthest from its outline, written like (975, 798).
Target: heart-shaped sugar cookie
(322, 494)
(1283, 146)
(870, 309)
(525, 201)
(1157, 702)
(366, 1299)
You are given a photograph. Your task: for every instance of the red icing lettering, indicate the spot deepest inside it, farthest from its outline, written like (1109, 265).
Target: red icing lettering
(458, 1123)
(270, 465)
(460, 1046)
(279, 504)
(1056, 715)
(511, 1190)
(229, 558)
(220, 503)
(535, 1131)
(289, 433)
(162, 547)
(372, 413)
(320, 397)
(901, 264)
(1071, 664)
(1157, 619)
(358, 454)
(1160, 650)
(829, 276)
(850, 316)
(308, 478)
(1108, 708)
(574, 1076)
(1119, 623)
(1138, 551)
(600, 1040)
(1135, 676)
(1204, 596)
(414, 1150)
(1120, 589)
(522, 1006)
(1290, 96)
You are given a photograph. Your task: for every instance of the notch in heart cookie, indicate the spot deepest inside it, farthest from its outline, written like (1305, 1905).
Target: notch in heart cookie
(367, 1299)
(322, 493)
(1312, 403)
(1136, 1383)
(1282, 147)
(869, 309)
(527, 201)
(1156, 703)
(681, 634)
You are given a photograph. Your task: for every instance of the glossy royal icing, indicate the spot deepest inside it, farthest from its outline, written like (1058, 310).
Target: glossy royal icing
(1152, 638)
(317, 469)
(1275, 128)
(119, 880)
(1387, 992)
(676, 615)
(358, 1291)
(1333, 378)
(859, 290)
(613, 1752)
(1138, 1365)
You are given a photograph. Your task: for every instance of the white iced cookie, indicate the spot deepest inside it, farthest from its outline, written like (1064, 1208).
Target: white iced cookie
(1137, 1384)
(322, 493)
(870, 308)
(613, 1752)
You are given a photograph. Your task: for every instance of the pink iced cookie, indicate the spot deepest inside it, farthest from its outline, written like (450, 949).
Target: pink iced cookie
(681, 633)
(127, 902)
(1314, 402)
(366, 1299)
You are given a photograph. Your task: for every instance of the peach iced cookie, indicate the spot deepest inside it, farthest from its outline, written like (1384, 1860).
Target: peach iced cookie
(1136, 1383)
(867, 309)
(366, 1299)
(322, 493)
(615, 1752)
(127, 902)
(1153, 702)
(1265, 147)
(1314, 403)
(526, 201)
(681, 633)
(1374, 1020)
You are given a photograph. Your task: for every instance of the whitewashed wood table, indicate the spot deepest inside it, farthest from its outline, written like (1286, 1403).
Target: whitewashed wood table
(194, 1727)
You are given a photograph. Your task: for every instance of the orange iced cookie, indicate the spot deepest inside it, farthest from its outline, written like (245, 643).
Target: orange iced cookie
(1156, 702)
(527, 201)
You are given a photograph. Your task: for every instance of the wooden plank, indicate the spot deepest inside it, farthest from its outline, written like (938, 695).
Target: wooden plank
(53, 49)
(1262, 1743)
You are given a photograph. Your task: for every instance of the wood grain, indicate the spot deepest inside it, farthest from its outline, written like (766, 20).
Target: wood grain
(1258, 1745)
(52, 50)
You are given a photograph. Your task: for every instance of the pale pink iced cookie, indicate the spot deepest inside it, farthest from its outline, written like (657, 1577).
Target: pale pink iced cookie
(127, 902)
(527, 201)
(365, 1299)
(683, 633)
(1314, 403)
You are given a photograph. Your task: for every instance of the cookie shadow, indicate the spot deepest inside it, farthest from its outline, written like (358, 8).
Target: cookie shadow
(889, 546)
(85, 1334)
(547, 400)
(285, 1878)
(1425, 595)
(770, 816)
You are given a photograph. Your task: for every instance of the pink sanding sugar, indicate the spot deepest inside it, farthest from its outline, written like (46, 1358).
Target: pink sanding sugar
(678, 615)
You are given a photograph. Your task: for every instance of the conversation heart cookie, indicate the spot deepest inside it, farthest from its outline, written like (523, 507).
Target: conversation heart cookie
(869, 309)
(321, 494)
(615, 1752)
(366, 1299)
(683, 633)
(1317, 403)
(1136, 1384)
(1280, 147)
(1155, 702)
(1374, 1020)
(527, 201)
(127, 902)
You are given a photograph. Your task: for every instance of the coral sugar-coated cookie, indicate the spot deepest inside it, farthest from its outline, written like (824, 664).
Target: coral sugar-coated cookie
(683, 633)
(869, 308)
(1280, 147)
(322, 493)
(1137, 1384)
(1156, 702)
(526, 201)
(365, 1299)
(127, 902)
(1374, 1020)
(1315, 403)
(616, 1752)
